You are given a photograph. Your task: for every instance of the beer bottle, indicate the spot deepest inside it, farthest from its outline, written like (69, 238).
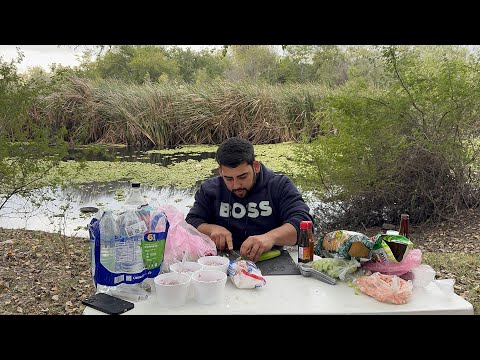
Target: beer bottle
(404, 228)
(303, 243)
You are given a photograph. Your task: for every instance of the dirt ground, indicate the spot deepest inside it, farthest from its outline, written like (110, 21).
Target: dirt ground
(44, 273)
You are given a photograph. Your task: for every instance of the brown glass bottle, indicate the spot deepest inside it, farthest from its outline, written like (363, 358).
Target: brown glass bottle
(303, 243)
(404, 226)
(310, 240)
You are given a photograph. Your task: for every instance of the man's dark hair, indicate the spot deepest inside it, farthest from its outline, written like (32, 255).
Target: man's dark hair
(234, 151)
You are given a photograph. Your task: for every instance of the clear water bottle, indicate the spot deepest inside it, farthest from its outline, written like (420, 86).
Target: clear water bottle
(129, 247)
(132, 227)
(135, 197)
(109, 233)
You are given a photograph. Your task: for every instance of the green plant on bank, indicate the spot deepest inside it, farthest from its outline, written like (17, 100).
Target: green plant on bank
(405, 146)
(28, 150)
(59, 215)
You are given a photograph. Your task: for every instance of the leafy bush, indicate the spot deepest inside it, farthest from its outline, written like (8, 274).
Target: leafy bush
(406, 147)
(27, 149)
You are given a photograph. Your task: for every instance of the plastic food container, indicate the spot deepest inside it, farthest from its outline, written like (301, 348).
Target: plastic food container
(172, 289)
(215, 262)
(209, 286)
(189, 267)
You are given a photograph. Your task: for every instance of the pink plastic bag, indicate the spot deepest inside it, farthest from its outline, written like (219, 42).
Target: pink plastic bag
(412, 260)
(183, 237)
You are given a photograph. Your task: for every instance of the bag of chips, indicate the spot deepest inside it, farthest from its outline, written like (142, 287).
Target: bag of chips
(345, 244)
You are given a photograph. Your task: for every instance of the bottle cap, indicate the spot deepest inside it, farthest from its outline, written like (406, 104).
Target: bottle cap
(304, 225)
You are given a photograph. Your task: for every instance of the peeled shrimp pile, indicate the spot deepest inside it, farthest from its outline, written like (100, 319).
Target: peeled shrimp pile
(385, 288)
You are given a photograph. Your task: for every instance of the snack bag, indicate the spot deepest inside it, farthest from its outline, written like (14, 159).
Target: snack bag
(345, 244)
(390, 248)
(245, 274)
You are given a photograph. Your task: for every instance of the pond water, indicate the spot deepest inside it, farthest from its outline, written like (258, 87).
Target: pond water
(58, 210)
(135, 155)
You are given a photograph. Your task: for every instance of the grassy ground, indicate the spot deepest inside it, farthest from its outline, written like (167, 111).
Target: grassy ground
(464, 268)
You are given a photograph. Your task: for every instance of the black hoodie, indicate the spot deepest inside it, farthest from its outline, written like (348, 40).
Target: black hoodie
(273, 201)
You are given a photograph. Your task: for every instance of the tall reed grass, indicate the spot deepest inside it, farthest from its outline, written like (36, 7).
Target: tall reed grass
(168, 115)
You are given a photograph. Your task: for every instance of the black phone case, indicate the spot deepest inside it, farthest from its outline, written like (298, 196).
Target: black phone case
(108, 304)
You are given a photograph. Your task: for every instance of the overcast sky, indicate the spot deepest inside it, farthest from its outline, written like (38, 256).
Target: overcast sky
(44, 55)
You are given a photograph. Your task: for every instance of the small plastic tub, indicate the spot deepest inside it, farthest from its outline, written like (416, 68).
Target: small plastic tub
(209, 286)
(215, 262)
(172, 289)
(189, 267)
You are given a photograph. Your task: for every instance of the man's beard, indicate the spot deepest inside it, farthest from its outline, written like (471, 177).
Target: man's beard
(243, 192)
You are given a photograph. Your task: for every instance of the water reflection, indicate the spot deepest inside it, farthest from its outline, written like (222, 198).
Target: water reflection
(134, 155)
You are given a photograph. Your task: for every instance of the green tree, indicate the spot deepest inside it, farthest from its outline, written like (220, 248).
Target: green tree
(409, 146)
(202, 66)
(252, 62)
(27, 149)
(329, 65)
(297, 64)
(366, 63)
(115, 63)
(152, 62)
(131, 63)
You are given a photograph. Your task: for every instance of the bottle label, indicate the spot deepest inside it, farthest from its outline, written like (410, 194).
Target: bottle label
(153, 249)
(136, 228)
(125, 253)
(303, 254)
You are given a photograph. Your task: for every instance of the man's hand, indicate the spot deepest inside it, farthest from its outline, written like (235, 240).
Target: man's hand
(256, 245)
(221, 237)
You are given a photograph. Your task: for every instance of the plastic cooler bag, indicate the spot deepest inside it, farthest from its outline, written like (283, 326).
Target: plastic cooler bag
(135, 247)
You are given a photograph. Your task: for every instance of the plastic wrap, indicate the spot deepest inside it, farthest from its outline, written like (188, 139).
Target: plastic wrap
(245, 274)
(183, 237)
(410, 261)
(335, 267)
(385, 288)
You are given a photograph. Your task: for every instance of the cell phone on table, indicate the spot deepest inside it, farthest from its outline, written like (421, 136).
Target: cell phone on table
(108, 304)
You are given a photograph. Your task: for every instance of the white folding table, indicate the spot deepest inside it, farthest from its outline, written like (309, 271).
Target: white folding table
(295, 294)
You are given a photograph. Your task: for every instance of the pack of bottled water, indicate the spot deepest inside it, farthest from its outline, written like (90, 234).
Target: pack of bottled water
(127, 248)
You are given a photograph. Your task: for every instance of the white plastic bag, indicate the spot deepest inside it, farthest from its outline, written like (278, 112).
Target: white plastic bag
(245, 274)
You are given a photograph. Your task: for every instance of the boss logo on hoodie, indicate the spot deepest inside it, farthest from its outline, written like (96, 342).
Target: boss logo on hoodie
(238, 210)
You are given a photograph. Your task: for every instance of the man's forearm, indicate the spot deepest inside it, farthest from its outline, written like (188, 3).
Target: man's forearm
(206, 228)
(283, 235)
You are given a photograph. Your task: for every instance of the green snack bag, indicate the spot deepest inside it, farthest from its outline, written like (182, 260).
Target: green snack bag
(390, 248)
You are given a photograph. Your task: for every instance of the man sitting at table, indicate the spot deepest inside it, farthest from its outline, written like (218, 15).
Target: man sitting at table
(247, 207)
